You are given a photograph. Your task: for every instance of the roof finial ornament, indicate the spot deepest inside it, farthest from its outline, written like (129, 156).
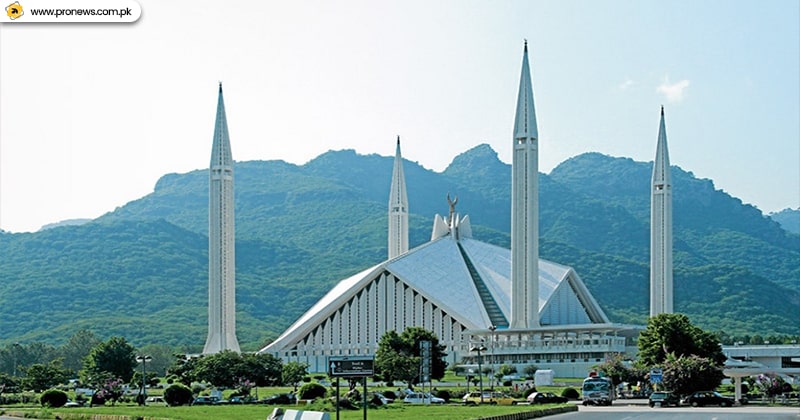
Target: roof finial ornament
(662, 110)
(398, 139)
(452, 204)
(526, 44)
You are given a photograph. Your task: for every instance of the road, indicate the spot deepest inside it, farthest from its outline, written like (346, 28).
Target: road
(643, 412)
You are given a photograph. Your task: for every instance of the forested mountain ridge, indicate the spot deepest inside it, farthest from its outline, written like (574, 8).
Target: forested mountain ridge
(141, 270)
(789, 219)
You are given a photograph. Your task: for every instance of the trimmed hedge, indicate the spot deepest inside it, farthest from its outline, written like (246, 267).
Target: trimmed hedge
(570, 393)
(53, 398)
(312, 391)
(178, 394)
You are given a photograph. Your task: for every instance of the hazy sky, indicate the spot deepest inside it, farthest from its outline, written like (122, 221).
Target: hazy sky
(91, 115)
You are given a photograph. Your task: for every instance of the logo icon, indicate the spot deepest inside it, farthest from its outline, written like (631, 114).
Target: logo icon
(14, 10)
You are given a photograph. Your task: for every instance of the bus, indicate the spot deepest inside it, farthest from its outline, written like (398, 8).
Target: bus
(597, 391)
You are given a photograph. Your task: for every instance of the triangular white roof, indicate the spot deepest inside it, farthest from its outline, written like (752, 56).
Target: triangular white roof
(439, 271)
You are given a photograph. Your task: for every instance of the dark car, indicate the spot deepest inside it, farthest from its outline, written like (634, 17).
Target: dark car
(545, 398)
(701, 398)
(664, 399)
(280, 399)
(206, 401)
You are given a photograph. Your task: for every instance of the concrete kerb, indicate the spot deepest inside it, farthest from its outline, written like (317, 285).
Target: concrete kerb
(532, 414)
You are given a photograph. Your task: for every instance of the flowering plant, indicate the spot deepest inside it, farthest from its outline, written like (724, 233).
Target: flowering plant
(771, 384)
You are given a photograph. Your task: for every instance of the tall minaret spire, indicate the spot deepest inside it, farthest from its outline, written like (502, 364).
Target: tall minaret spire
(221, 241)
(398, 208)
(525, 208)
(661, 228)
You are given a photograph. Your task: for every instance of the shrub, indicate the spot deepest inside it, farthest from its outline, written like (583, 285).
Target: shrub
(443, 394)
(311, 391)
(570, 393)
(390, 394)
(178, 394)
(306, 379)
(53, 398)
(507, 383)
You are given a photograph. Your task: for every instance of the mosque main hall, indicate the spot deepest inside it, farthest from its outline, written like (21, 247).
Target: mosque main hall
(520, 309)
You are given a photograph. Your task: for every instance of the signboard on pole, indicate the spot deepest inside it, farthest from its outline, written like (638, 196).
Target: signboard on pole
(425, 368)
(656, 375)
(352, 366)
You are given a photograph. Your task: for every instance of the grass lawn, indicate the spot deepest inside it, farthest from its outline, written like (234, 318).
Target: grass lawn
(260, 412)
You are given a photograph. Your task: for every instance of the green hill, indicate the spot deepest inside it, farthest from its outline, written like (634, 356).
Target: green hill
(141, 270)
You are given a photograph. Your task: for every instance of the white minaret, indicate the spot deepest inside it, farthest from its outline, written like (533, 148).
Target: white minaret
(661, 228)
(221, 241)
(398, 208)
(525, 208)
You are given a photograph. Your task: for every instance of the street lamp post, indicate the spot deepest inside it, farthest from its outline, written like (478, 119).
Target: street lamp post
(479, 348)
(491, 354)
(143, 390)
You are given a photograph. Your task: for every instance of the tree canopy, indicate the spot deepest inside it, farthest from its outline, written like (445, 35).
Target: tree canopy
(115, 358)
(398, 356)
(674, 334)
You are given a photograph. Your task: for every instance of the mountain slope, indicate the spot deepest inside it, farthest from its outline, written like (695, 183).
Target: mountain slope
(140, 271)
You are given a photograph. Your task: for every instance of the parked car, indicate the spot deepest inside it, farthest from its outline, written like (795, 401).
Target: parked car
(664, 399)
(206, 401)
(384, 400)
(701, 398)
(491, 398)
(545, 398)
(422, 398)
(282, 399)
(71, 403)
(155, 401)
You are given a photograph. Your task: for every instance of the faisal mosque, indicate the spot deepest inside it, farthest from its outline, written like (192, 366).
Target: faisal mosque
(517, 308)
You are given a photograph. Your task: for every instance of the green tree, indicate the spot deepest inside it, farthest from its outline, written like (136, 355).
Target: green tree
(686, 374)
(162, 357)
(505, 370)
(394, 361)
(263, 369)
(115, 358)
(530, 371)
(77, 348)
(293, 373)
(615, 369)
(40, 376)
(152, 379)
(184, 368)
(674, 333)
(398, 356)
(222, 369)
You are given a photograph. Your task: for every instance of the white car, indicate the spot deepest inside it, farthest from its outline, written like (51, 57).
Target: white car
(155, 401)
(422, 398)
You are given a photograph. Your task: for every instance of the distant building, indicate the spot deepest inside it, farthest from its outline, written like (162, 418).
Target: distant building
(221, 242)
(521, 309)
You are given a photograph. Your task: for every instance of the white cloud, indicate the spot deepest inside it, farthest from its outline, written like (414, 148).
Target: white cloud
(673, 92)
(626, 84)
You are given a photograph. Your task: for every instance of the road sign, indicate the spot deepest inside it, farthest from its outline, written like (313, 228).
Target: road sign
(656, 375)
(425, 367)
(350, 366)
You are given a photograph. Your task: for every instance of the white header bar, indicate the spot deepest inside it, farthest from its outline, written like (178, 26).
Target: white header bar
(71, 11)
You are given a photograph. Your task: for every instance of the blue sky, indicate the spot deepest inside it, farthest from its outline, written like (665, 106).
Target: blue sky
(92, 115)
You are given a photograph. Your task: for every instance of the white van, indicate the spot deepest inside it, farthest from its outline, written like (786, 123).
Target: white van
(422, 398)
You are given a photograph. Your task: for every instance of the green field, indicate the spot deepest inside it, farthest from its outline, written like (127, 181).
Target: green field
(260, 412)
